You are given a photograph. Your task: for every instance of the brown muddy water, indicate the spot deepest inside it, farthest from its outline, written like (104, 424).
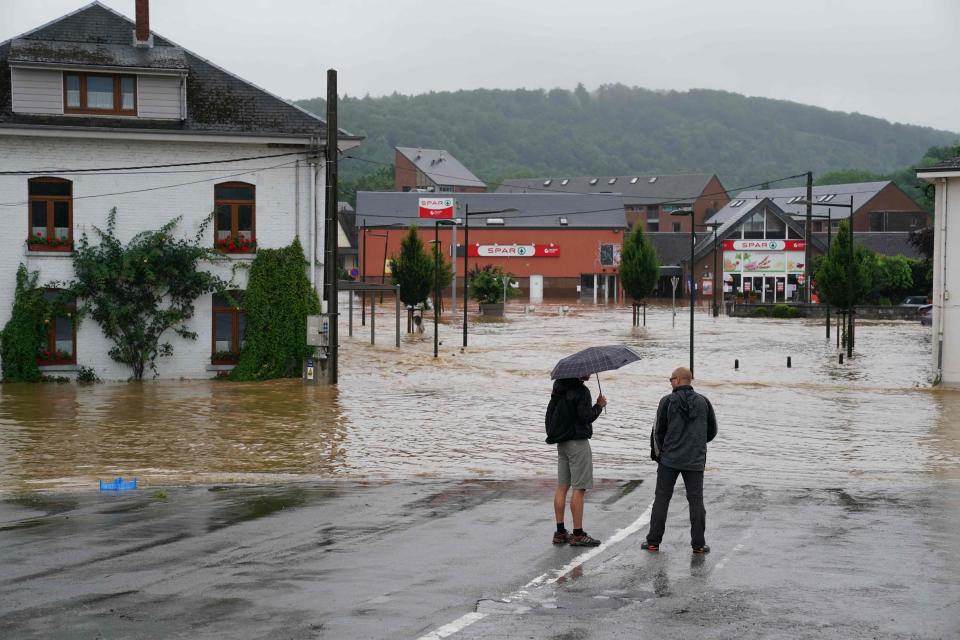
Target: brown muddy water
(479, 414)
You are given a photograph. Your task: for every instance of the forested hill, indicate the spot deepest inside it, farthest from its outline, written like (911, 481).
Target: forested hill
(619, 130)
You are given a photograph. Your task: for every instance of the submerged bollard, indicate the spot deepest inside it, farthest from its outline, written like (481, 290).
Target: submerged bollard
(789, 364)
(841, 357)
(736, 365)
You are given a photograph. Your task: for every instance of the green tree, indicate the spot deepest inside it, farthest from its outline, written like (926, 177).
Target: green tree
(487, 287)
(138, 292)
(892, 278)
(833, 273)
(413, 270)
(444, 273)
(379, 180)
(639, 264)
(277, 301)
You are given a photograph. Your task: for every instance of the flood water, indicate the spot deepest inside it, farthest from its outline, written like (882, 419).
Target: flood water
(403, 414)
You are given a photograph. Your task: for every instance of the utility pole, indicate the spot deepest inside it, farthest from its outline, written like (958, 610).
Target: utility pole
(807, 237)
(332, 237)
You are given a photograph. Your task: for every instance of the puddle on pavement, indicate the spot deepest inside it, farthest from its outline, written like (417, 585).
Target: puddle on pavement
(403, 414)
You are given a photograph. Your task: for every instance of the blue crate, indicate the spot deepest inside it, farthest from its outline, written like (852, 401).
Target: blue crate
(118, 484)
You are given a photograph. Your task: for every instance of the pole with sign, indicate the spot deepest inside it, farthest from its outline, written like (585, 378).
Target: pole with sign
(674, 280)
(440, 210)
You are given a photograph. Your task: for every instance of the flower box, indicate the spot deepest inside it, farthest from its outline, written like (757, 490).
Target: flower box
(224, 357)
(39, 243)
(237, 245)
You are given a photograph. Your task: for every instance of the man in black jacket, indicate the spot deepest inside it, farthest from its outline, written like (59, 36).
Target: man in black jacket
(575, 459)
(685, 424)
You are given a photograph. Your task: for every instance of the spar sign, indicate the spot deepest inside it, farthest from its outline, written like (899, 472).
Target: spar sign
(764, 245)
(437, 208)
(513, 251)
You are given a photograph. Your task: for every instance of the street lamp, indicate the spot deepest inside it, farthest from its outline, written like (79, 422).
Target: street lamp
(466, 249)
(436, 280)
(693, 238)
(849, 267)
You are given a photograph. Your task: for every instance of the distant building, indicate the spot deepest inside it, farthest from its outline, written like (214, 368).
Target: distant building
(433, 170)
(877, 206)
(649, 199)
(946, 266)
(568, 242)
(347, 239)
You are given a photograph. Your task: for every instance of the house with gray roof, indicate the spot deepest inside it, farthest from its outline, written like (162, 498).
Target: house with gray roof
(879, 206)
(648, 199)
(99, 113)
(433, 170)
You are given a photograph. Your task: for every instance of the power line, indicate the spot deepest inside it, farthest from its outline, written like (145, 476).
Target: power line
(158, 188)
(151, 166)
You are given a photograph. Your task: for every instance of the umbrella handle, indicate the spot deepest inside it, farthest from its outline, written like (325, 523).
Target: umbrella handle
(600, 388)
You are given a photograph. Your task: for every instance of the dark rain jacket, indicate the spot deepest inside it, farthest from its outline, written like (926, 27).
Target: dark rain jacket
(685, 424)
(578, 400)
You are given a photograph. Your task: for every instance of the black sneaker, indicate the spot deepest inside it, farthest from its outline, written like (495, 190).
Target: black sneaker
(701, 550)
(561, 537)
(651, 546)
(583, 540)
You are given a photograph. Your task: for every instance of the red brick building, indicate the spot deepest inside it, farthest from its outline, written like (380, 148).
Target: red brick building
(433, 170)
(649, 199)
(571, 241)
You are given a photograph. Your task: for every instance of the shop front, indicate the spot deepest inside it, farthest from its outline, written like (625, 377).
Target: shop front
(767, 271)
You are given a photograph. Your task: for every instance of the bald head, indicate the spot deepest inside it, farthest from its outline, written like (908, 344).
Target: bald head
(680, 376)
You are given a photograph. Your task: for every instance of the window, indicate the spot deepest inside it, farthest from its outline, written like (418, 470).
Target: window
(564, 222)
(51, 214)
(634, 180)
(495, 221)
(235, 217)
(612, 181)
(653, 179)
(594, 181)
(58, 345)
(676, 227)
(565, 182)
(547, 182)
(776, 228)
(229, 327)
(653, 226)
(753, 227)
(99, 93)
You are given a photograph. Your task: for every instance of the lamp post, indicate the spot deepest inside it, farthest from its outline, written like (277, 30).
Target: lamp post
(436, 281)
(466, 249)
(693, 238)
(850, 269)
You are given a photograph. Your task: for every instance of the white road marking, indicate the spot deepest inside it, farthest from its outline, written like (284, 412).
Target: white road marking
(549, 577)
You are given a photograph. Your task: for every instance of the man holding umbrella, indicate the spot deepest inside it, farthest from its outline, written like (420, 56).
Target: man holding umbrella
(571, 400)
(575, 458)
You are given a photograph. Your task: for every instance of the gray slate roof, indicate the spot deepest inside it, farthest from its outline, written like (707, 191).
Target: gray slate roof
(732, 224)
(217, 101)
(862, 192)
(950, 164)
(31, 51)
(441, 167)
(680, 189)
(534, 210)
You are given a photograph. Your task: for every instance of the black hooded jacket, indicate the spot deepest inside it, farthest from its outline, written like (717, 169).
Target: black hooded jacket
(578, 400)
(685, 424)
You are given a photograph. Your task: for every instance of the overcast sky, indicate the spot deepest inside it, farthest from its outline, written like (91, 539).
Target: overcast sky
(888, 58)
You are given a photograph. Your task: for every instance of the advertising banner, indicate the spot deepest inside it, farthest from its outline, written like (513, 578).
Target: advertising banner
(513, 251)
(763, 261)
(437, 208)
(764, 245)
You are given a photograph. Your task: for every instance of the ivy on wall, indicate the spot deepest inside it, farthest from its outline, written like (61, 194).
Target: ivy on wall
(21, 334)
(276, 303)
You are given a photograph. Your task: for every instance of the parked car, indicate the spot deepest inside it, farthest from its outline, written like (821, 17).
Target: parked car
(914, 301)
(926, 315)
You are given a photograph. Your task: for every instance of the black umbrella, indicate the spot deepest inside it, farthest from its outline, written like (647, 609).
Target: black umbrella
(594, 360)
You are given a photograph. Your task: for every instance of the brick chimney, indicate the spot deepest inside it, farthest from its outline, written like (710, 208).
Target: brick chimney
(141, 35)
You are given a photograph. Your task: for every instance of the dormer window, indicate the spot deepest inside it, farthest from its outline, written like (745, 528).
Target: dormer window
(100, 94)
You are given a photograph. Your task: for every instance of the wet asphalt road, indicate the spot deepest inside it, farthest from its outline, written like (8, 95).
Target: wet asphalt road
(406, 559)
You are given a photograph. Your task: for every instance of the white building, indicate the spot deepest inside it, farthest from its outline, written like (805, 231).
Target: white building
(946, 266)
(94, 91)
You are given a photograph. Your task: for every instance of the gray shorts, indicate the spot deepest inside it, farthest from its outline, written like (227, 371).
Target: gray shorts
(575, 464)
